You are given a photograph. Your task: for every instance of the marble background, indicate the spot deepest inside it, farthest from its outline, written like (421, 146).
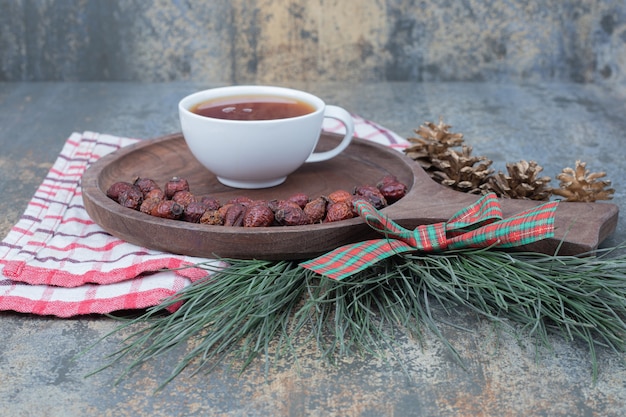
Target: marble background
(282, 41)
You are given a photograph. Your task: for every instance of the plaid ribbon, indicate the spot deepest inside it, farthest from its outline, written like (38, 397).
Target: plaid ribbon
(479, 225)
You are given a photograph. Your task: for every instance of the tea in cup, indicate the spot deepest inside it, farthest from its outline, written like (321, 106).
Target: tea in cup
(255, 136)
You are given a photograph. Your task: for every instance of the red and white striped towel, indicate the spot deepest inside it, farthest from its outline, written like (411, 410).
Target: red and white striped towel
(57, 261)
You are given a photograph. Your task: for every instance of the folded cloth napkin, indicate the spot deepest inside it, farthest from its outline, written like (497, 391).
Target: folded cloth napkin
(57, 261)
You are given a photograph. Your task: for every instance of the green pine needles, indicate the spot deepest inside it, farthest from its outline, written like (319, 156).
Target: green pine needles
(268, 308)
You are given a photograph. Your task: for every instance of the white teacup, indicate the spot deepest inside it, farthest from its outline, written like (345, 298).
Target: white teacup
(257, 153)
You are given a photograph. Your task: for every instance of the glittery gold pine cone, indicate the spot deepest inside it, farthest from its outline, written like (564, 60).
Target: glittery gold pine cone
(522, 181)
(460, 170)
(580, 185)
(432, 140)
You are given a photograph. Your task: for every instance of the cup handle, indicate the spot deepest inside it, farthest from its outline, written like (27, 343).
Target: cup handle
(344, 117)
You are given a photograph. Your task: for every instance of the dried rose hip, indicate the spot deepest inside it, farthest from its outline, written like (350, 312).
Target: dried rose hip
(289, 213)
(194, 212)
(154, 193)
(209, 202)
(146, 185)
(274, 205)
(278, 204)
(168, 209)
(372, 195)
(258, 215)
(132, 198)
(175, 185)
(149, 204)
(339, 195)
(223, 209)
(234, 215)
(300, 199)
(114, 191)
(315, 210)
(392, 189)
(387, 179)
(176, 201)
(339, 211)
(183, 198)
(212, 217)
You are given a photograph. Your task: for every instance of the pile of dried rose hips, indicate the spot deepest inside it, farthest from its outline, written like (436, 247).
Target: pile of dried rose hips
(175, 201)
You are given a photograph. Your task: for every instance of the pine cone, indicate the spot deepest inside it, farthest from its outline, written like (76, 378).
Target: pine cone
(522, 182)
(582, 186)
(432, 141)
(460, 170)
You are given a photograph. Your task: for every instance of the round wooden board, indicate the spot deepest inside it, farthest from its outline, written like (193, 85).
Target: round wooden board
(579, 226)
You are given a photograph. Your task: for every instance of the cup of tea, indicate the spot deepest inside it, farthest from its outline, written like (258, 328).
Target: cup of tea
(255, 136)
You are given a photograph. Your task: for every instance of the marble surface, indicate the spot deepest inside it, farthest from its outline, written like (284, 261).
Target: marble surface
(553, 123)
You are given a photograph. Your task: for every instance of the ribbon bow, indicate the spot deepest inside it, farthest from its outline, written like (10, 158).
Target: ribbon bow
(479, 225)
